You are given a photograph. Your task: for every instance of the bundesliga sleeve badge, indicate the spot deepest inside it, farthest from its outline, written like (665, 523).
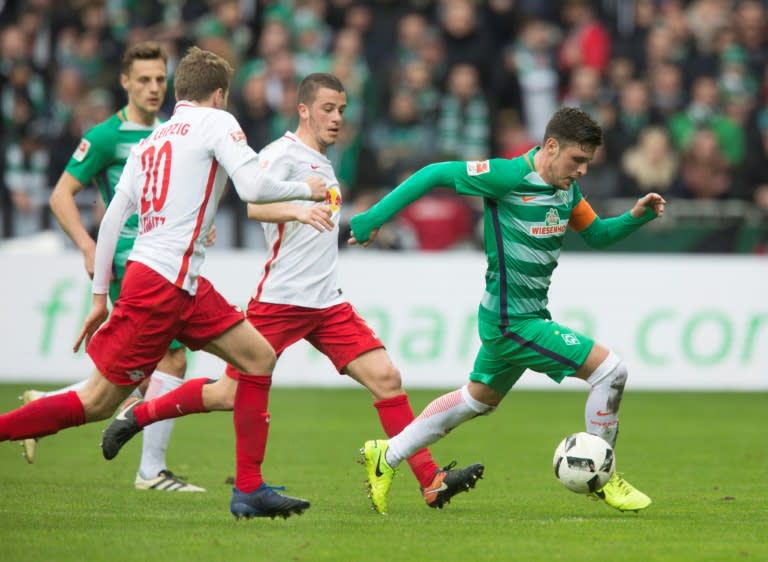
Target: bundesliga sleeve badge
(477, 167)
(82, 150)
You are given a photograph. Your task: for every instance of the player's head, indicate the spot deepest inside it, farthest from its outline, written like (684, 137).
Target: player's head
(570, 141)
(321, 104)
(203, 76)
(143, 76)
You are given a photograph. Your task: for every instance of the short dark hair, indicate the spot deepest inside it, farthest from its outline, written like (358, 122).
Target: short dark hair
(146, 50)
(313, 82)
(571, 125)
(199, 74)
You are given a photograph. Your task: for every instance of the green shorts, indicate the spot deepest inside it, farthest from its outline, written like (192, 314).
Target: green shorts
(118, 268)
(538, 344)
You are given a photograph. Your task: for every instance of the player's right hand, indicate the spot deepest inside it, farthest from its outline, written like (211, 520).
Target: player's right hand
(316, 216)
(95, 318)
(318, 187)
(353, 241)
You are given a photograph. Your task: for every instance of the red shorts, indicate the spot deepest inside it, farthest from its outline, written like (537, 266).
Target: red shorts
(338, 332)
(150, 313)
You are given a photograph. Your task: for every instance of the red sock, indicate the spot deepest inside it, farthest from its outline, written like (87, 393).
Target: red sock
(44, 416)
(394, 414)
(251, 429)
(181, 401)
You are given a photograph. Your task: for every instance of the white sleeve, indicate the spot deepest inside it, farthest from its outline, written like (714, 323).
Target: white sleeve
(228, 143)
(118, 211)
(254, 185)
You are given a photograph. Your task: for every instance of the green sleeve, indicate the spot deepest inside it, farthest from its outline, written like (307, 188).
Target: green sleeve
(92, 156)
(491, 178)
(604, 232)
(419, 184)
(488, 178)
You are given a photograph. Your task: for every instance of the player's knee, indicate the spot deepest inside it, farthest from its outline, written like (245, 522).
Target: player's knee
(385, 382)
(262, 361)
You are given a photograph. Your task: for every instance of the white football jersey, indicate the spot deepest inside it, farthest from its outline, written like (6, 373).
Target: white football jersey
(175, 177)
(301, 261)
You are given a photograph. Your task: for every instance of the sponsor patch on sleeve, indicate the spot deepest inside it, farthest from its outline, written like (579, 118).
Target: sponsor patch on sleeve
(238, 136)
(82, 150)
(477, 167)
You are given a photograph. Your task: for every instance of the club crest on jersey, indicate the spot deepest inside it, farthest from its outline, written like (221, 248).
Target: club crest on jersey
(553, 217)
(552, 225)
(570, 339)
(238, 136)
(477, 167)
(333, 198)
(82, 150)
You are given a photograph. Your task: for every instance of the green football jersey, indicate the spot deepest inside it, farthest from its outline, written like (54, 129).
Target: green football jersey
(100, 158)
(525, 220)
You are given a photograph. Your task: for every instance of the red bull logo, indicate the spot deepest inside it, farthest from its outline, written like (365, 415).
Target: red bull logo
(333, 198)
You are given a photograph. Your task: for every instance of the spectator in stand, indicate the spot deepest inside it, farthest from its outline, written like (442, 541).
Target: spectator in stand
(26, 178)
(634, 114)
(667, 93)
(750, 24)
(620, 71)
(532, 60)
(348, 64)
(400, 139)
(511, 136)
(660, 48)
(602, 181)
(19, 80)
(735, 78)
(282, 81)
(704, 20)
(417, 78)
(704, 112)
(254, 111)
(225, 20)
(630, 44)
(463, 123)
(584, 91)
(586, 42)
(411, 29)
(651, 165)
(704, 172)
(756, 168)
(465, 41)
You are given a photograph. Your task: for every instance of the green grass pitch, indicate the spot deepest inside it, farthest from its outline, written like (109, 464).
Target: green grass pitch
(702, 457)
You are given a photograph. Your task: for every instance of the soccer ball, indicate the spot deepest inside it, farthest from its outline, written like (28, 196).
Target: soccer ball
(584, 462)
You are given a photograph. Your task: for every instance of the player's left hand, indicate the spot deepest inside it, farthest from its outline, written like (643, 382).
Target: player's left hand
(316, 216)
(654, 201)
(95, 318)
(353, 241)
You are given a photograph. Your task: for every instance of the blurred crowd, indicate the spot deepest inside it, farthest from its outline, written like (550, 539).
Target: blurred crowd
(680, 88)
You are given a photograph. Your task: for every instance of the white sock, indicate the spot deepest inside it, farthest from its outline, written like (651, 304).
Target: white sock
(156, 435)
(601, 413)
(76, 386)
(434, 422)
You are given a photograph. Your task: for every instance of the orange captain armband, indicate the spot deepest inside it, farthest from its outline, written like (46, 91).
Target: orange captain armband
(582, 215)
